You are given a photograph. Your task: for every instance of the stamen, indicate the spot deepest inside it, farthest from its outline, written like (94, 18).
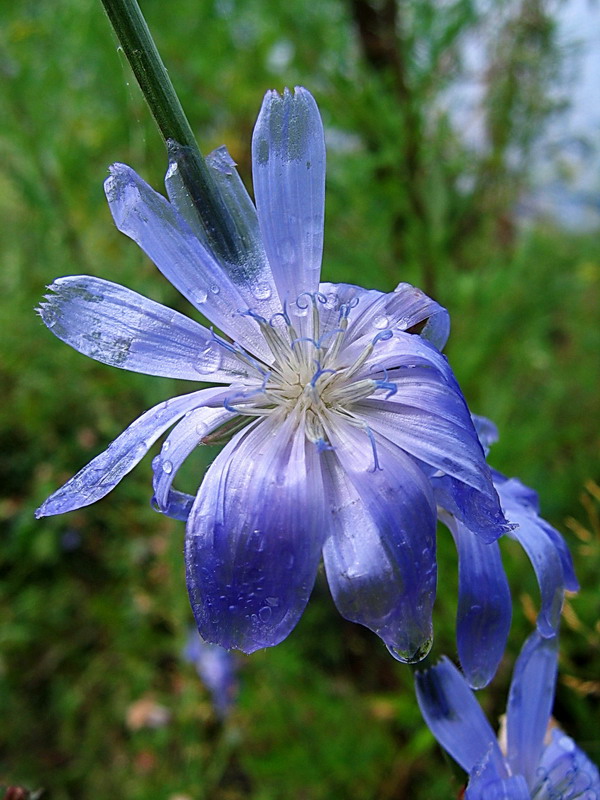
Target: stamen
(323, 445)
(376, 465)
(238, 351)
(382, 336)
(320, 372)
(391, 387)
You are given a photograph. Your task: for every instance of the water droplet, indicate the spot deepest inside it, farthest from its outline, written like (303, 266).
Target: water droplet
(287, 251)
(262, 291)
(214, 287)
(166, 446)
(201, 430)
(273, 601)
(264, 614)
(232, 608)
(210, 359)
(200, 297)
(167, 467)
(140, 450)
(381, 322)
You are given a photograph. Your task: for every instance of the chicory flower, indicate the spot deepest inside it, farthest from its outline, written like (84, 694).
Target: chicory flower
(538, 762)
(338, 402)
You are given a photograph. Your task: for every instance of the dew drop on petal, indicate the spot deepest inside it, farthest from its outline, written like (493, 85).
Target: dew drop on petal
(167, 467)
(262, 291)
(381, 322)
(200, 297)
(140, 450)
(210, 359)
(264, 614)
(214, 288)
(166, 446)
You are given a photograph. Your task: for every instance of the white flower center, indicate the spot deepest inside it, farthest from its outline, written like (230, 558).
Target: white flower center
(308, 376)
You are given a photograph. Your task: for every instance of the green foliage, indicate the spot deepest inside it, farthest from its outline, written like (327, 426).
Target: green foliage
(93, 605)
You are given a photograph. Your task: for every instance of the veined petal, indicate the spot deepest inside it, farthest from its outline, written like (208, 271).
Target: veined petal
(119, 327)
(183, 439)
(249, 271)
(154, 224)
(105, 471)
(487, 786)
(288, 169)
(254, 536)
(380, 555)
(455, 718)
(530, 703)
(402, 310)
(566, 771)
(429, 419)
(484, 606)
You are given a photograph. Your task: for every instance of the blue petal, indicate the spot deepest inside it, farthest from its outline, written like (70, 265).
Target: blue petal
(455, 718)
(565, 771)
(380, 556)
(486, 431)
(484, 606)
(429, 420)
(488, 787)
(151, 221)
(288, 169)
(530, 703)
(105, 471)
(405, 308)
(542, 551)
(119, 327)
(254, 536)
(249, 269)
(183, 439)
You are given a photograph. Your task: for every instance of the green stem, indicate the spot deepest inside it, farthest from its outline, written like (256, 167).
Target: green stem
(136, 40)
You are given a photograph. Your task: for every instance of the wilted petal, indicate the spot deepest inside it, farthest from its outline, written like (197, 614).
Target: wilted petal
(484, 606)
(380, 555)
(248, 268)
(151, 221)
(288, 169)
(105, 471)
(530, 703)
(124, 329)
(182, 440)
(455, 718)
(254, 537)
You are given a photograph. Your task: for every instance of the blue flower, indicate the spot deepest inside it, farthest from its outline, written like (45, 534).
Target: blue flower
(216, 669)
(337, 401)
(484, 603)
(540, 762)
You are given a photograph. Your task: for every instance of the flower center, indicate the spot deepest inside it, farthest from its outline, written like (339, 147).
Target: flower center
(308, 376)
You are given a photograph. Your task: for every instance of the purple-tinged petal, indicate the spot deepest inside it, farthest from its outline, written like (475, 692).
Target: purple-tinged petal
(403, 309)
(248, 269)
(485, 785)
(455, 718)
(541, 550)
(254, 536)
(124, 329)
(182, 440)
(151, 221)
(105, 471)
(530, 703)
(380, 555)
(430, 421)
(486, 431)
(484, 606)
(569, 577)
(565, 771)
(288, 169)
(177, 505)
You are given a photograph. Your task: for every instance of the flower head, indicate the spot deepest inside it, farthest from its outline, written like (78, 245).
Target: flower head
(540, 762)
(337, 401)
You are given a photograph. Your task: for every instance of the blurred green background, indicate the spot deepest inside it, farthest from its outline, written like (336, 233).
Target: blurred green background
(93, 604)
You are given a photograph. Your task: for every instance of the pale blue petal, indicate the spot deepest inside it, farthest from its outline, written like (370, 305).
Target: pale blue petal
(565, 771)
(486, 431)
(530, 703)
(430, 421)
(380, 555)
(484, 605)
(151, 221)
(254, 536)
(105, 471)
(119, 327)
(288, 169)
(182, 440)
(248, 269)
(455, 718)
(569, 577)
(488, 787)
(405, 309)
